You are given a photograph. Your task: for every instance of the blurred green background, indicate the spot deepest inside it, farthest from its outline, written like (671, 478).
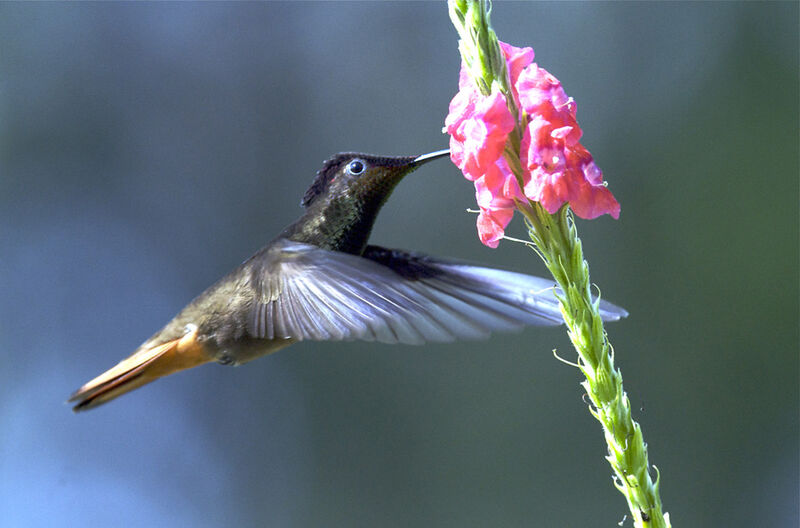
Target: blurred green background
(146, 150)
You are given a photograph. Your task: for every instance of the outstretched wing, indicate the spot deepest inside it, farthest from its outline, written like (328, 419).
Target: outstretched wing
(304, 292)
(508, 284)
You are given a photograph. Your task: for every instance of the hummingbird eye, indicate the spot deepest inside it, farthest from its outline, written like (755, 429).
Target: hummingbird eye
(355, 167)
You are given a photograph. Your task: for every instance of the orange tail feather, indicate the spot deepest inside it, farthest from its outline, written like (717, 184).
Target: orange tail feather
(141, 368)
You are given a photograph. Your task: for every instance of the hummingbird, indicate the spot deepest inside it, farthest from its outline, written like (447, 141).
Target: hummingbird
(321, 280)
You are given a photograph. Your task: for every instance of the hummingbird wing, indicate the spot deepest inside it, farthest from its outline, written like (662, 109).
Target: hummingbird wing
(391, 296)
(511, 285)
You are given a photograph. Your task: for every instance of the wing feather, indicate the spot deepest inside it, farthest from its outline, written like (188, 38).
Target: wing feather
(304, 292)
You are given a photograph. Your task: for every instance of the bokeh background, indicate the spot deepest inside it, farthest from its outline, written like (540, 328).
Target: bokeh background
(146, 150)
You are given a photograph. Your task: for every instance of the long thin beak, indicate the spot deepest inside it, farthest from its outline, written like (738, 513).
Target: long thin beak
(419, 160)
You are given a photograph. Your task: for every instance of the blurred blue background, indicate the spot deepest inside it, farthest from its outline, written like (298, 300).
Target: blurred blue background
(146, 150)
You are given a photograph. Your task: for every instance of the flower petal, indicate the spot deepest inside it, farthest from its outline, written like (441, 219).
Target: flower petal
(484, 134)
(561, 169)
(536, 86)
(517, 59)
(492, 225)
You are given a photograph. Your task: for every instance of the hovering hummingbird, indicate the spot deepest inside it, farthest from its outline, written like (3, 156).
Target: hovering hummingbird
(320, 280)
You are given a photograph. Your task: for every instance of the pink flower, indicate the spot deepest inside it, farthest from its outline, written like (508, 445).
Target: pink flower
(517, 59)
(561, 169)
(492, 224)
(536, 86)
(498, 187)
(495, 192)
(556, 168)
(478, 127)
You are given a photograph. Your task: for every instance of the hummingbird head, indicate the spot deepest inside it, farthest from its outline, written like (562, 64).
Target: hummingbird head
(363, 177)
(345, 197)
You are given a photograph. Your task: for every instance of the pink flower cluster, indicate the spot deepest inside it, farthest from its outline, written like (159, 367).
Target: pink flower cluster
(556, 167)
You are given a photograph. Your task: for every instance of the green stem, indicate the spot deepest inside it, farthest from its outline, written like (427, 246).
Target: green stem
(556, 240)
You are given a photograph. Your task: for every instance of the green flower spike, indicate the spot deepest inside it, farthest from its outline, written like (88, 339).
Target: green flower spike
(539, 170)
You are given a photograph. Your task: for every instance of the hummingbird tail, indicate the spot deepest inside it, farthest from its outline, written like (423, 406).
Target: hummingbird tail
(142, 367)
